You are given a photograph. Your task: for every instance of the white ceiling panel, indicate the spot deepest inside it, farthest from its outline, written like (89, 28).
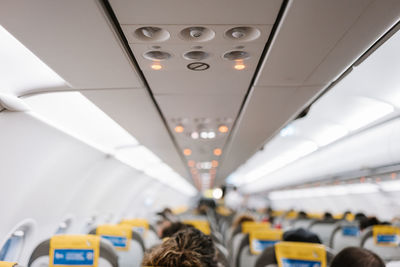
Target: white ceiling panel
(199, 106)
(73, 38)
(134, 110)
(195, 12)
(310, 30)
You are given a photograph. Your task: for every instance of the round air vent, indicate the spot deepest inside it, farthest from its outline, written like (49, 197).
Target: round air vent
(244, 34)
(157, 55)
(236, 55)
(197, 34)
(154, 34)
(196, 55)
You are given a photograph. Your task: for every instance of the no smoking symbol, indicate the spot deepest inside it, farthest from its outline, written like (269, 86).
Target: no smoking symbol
(198, 66)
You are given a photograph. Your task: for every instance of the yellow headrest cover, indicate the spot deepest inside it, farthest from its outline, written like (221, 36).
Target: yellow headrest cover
(139, 225)
(203, 226)
(7, 264)
(119, 235)
(248, 227)
(291, 254)
(386, 235)
(74, 250)
(259, 240)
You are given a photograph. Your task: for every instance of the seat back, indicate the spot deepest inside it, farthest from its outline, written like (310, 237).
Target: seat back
(8, 264)
(141, 226)
(382, 240)
(254, 243)
(345, 234)
(128, 243)
(83, 250)
(323, 229)
(201, 225)
(300, 254)
(310, 254)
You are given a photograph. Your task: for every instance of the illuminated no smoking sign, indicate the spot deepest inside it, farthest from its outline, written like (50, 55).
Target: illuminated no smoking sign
(198, 66)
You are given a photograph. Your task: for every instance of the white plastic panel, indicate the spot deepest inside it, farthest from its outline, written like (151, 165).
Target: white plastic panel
(74, 39)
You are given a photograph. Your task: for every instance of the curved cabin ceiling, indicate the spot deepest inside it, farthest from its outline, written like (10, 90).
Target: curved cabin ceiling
(256, 66)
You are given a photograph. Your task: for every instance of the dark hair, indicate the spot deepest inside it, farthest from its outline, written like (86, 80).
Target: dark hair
(174, 228)
(186, 248)
(369, 221)
(357, 257)
(301, 235)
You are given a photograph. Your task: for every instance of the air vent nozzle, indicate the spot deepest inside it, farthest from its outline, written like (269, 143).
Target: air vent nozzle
(196, 55)
(149, 33)
(197, 34)
(157, 55)
(236, 55)
(243, 34)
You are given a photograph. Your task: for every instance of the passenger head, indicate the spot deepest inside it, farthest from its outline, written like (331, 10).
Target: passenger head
(368, 221)
(359, 216)
(301, 235)
(241, 219)
(328, 216)
(302, 215)
(186, 248)
(356, 257)
(173, 228)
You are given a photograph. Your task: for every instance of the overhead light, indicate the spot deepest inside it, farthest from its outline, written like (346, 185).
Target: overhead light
(187, 152)
(217, 193)
(194, 135)
(287, 131)
(156, 66)
(329, 134)
(366, 110)
(223, 129)
(85, 121)
(204, 135)
(217, 152)
(138, 157)
(191, 163)
(302, 149)
(214, 163)
(239, 66)
(196, 32)
(211, 135)
(21, 70)
(179, 129)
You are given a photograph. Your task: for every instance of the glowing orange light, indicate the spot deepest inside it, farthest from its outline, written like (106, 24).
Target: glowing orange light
(240, 66)
(362, 179)
(217, 152)
(187, 152)
(179, 129)
(223, 129)
(191, 163)
(393, 175)
(214, 163)
(156, 66)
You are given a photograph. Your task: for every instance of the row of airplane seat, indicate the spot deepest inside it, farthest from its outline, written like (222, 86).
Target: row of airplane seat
(249, 239)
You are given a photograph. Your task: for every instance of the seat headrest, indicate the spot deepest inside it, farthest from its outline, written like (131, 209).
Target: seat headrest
(139, 225)
(260, 240)
(8, 264)
(300, 254)
(248, 227)
(386, 235)
(119, 235)
(82, 250)
(201, 225)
